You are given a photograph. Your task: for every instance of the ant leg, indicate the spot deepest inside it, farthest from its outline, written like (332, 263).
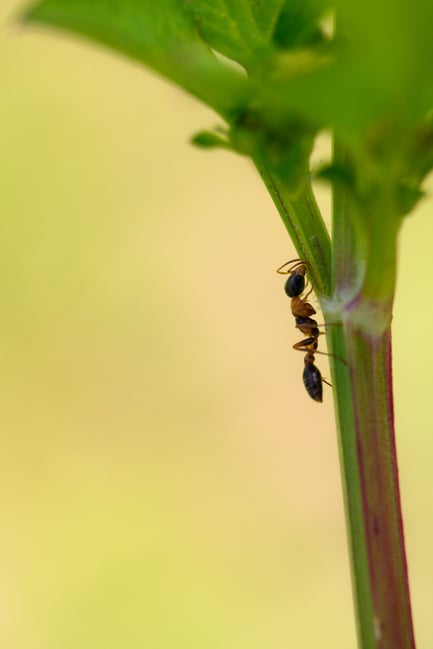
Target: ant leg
(308, 345)
(330, 324)
(327, 382)
(307, 325)
(338, 358)
(304, 299)
(321, 324)
(299, 262)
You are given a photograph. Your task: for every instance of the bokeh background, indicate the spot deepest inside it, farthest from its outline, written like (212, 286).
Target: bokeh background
(165, 481)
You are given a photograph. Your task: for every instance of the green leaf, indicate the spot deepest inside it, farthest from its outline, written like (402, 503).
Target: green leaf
(379, 69)
(210, 140)
(247, 32)
(240, 29)
(393, 43)
(161, 34)
(298, 23)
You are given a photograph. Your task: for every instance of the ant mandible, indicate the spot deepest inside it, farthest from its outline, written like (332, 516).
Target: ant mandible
(302, 310)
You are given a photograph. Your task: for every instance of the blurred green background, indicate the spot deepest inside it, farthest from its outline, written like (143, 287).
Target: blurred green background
(165, 481)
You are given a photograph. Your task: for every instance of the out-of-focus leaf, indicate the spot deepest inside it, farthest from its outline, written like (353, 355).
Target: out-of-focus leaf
(240, 29)
(372, 83)
(298, 23)
(378, 69)
(161, 34)
(247, 32)
(210, 140)
(391, 46)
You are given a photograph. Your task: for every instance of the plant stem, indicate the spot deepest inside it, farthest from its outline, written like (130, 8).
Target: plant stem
(364, 407)
(363, 392)
(371, 381)
(301, 216)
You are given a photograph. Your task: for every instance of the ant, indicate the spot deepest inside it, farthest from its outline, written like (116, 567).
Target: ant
(302, 312)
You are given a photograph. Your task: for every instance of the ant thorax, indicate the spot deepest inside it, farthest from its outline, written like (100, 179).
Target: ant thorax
(301, 308)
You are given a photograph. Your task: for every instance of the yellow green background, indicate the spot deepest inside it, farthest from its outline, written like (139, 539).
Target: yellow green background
(165, 481)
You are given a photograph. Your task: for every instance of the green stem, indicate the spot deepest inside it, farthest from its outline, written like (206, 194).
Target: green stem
(371, 382)
(301, 216)
(364, 269)
(363, 394)
(363, 604)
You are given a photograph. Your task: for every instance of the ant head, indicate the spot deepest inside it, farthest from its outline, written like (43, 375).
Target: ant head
(295, 283)
(296, 269)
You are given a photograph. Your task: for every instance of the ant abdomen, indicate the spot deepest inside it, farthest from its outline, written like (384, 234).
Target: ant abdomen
(313, 380)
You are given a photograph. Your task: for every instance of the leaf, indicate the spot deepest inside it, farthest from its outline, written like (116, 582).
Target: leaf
(248, 31)
(168, 36)
(378, 69)
(298, 23)
(240, 29)
(393, 45)
(210, 140)
(161, 34)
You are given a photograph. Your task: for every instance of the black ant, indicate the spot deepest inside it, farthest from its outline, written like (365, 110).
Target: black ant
(302, 312)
